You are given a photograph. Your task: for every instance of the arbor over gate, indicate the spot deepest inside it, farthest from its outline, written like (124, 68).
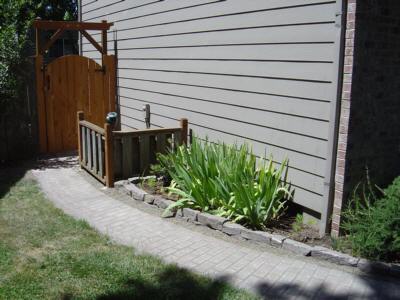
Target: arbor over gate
(70, 84)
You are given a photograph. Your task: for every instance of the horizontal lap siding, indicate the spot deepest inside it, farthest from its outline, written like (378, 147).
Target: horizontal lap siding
(257, 71)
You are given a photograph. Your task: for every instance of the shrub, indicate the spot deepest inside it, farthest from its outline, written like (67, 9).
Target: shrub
(373, 224)
(226, 181)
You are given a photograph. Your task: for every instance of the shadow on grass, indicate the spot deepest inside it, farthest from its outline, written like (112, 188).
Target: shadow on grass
(180, 284)
(11, 173)
(173, 283)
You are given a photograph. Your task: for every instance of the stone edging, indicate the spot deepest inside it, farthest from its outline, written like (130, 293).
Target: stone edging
(275, 240)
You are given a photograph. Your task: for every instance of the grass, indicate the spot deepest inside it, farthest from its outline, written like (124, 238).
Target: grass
(44, 254)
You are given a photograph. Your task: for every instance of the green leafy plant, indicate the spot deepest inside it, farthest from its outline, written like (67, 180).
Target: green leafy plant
(161, 173)
(372, 223)
(225, 180)
(298, 224)
(150, 182)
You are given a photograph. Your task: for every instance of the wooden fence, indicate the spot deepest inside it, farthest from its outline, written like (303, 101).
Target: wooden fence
(108, 154)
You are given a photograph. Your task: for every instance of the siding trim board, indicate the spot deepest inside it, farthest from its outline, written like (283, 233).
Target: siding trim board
(264, 72)
(329, 182)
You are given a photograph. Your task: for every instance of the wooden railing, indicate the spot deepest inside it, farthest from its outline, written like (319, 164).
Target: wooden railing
(108, 154)
(95, 150)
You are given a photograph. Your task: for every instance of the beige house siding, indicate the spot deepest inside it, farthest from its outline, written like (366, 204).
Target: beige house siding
(260, 71)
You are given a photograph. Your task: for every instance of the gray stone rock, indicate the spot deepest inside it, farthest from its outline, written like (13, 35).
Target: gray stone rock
(212, 221)
(162, 203)
(232, 228)
(134, 180)
(334, 256)
(122, 187)
(179, 213)
(149, 198)
(297, 247)
(168, 214)
(277, 240)
(257, 236)
(134, 191)
(191, 214)
(120, 183)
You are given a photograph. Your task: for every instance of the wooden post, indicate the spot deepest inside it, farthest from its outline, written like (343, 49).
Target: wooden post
(109, 155)
(184, 133)
(80, 117)
(38, 50)
(41, 104)
(104, 39)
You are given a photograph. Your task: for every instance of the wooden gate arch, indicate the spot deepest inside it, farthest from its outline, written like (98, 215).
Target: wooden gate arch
(70, 84)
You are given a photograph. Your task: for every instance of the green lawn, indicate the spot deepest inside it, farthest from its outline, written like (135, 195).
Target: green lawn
(45, 254)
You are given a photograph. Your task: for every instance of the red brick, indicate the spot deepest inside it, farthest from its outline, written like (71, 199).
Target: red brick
(349, 51)
(351, 16)
(351, 25)
(347, 87)
(346, 95)
(350, 34)
(341, 154)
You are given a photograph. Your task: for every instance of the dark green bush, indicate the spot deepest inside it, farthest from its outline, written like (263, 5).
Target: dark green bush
(373, 224)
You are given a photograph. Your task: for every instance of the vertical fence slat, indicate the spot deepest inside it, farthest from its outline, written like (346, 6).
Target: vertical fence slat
(89, 148)
(169, 141)
(109, 157)
(136, 156)
(144, 153)
(83, 136)
(184, 130)
(101, 155)
(80, 117)
(127, 157)
(94, 151)
(153, 149)
(161, 143)
(177, 140)
(118, 158)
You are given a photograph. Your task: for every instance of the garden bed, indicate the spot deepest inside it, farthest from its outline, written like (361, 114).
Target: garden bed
(278, 237)
(290, 224)
(228, 188)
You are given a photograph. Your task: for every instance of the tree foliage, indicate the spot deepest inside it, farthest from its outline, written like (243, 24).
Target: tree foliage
(16, 17)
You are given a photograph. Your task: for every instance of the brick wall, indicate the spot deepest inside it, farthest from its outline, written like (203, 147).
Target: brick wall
(369, 133)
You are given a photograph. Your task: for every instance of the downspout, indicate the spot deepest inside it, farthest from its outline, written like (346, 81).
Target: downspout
(329, 180)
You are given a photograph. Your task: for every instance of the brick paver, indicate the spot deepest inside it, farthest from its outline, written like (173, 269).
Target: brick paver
(266, 273)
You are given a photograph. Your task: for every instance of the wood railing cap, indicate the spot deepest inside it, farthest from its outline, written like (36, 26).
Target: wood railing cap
(147, 132)
(92, 126)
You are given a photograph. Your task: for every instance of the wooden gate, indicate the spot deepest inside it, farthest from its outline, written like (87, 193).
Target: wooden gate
(70, 84)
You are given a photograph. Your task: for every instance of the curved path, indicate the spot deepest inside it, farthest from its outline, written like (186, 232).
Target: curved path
(268, 274)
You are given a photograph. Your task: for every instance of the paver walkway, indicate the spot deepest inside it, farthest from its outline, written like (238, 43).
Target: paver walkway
(266, 273)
